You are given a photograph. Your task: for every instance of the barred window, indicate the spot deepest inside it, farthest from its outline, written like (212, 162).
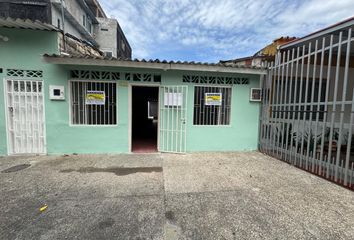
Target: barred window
(93, 103)
(212, 105)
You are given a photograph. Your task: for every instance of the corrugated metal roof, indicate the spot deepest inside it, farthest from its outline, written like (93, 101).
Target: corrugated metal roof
(157, 64)
(236, 59)
(26, 24)
(146, 61)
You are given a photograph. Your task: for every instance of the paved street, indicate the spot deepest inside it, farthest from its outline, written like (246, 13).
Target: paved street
(244, 195)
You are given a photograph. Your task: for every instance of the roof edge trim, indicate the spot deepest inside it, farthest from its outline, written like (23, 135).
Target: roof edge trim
(164, 66)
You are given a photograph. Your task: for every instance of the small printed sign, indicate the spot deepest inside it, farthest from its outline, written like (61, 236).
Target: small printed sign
(213, 99)
(95, 98)
(173, 99)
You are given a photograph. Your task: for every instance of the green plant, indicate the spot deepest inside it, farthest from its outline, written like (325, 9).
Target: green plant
(310, 139)
(345, 142)
(288, 134)
(346, 139)
(284, 133)
(335, 134)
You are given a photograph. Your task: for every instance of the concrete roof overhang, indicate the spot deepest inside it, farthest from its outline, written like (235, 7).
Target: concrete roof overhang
(26, 24)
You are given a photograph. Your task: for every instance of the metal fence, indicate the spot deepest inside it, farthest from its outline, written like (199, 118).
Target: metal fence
(308, 106)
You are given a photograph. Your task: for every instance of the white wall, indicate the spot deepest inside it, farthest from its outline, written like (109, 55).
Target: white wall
(107, 40)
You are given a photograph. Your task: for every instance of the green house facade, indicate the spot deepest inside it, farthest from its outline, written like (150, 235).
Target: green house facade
(57, 103)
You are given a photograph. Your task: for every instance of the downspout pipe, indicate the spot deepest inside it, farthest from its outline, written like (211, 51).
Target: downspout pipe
(63, 22)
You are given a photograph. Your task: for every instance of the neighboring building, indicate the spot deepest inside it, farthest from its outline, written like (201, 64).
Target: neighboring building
(245, 61)
(262, 57)
(59, 103)
(308, 104)
(81, 20)
(112, 39)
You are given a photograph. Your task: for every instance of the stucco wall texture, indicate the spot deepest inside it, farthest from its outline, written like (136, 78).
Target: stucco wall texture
(24, 50)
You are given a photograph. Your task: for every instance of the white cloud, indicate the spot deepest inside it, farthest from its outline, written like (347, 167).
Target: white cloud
(222, 29)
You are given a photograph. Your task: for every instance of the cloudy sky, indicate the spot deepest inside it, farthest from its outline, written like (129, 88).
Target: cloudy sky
(210, 30)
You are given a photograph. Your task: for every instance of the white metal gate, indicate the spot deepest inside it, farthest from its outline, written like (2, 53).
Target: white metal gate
(24, 116)
(173, 119)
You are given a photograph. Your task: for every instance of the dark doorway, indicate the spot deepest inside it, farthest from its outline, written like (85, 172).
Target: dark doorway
(144, 118)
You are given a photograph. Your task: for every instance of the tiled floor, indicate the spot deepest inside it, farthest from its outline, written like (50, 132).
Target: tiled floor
(144, 146)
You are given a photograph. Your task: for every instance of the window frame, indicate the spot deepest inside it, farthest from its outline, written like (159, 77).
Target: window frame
(84, 19)
(299, 108)
(108, 51)
(123, 45)
(59, 23)
(230, 114)
(71, 124)
(89, 26)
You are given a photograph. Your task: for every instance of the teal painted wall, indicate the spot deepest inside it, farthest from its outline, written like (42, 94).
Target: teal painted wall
(3, 141)
(241, 134)
(63, 138)
(24, 51)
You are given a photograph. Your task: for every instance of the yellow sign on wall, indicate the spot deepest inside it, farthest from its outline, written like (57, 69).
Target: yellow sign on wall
(213, 99)
(95, 98)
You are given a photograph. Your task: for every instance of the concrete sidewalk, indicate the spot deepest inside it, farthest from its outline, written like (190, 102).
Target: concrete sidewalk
(244, 195)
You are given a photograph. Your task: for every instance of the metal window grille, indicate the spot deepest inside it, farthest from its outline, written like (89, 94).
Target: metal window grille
(212, 114)
(25, 116)
(24, 73)
(93, 114)
(106, 75)
(173, 119)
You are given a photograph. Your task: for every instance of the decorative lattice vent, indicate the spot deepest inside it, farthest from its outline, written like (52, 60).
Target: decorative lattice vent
(24, 73)
(214, 80)
(94, 75)
(104, 75)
